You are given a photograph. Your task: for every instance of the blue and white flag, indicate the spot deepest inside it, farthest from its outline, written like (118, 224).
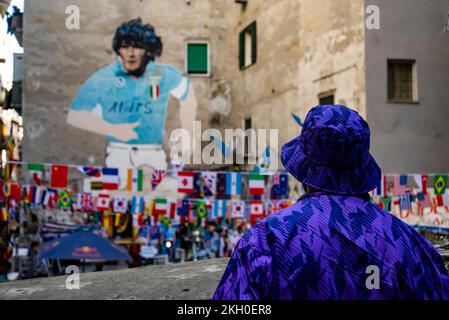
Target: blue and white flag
(219, 209)
(90, 171)
(49, 197)
(405, 201)
(210, 180)
(137, 205)
(110, 178)
(233, 183)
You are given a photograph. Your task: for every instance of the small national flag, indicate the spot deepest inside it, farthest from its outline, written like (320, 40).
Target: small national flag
(219, 208)
(64, 199)
(237, 209)
(96, 184)
(400, 184)
(233, 183)
(137, 205)
(174, 216)
(386, 203)
(440, 183)
(135, 180)
(157, 177)
(86, 202)
(381, 188)
(421, 181)
(160, 207)
(280, 185)
(154, 87)
(183, 209)
(201, 208)
(110, 178)
(49, 198)
(272, 206)
(59, 176)
(185, 182)
(210, 180)
(423, 202)
(120, 204)
(36, 171)
(256, 184)
(102, 202)
(14, 191)
(257, 211)
(32, 194)
(405, 202)
(90, 171)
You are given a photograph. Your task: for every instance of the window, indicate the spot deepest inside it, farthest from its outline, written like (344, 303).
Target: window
(248, 46)
(198, 58)
(248, 123)
(401, 81)
(326, 98)
(248, 126)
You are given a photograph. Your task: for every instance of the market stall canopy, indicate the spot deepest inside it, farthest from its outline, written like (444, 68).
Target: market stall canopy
(82, 245)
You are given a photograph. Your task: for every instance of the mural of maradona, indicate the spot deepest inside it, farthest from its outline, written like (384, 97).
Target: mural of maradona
(127, 100)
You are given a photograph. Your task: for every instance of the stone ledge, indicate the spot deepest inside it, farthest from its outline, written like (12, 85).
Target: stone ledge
(183, 281)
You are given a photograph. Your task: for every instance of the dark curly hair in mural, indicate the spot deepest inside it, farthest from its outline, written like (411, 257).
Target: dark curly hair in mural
(134, 33)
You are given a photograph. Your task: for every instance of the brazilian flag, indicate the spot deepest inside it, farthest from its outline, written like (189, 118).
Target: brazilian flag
(64, 200)
(201, 209)
(440, 183)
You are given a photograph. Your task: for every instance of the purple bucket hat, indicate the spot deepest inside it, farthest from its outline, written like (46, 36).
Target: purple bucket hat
(332, 152)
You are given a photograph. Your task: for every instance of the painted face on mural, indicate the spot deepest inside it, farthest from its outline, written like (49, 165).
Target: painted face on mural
(132, 56)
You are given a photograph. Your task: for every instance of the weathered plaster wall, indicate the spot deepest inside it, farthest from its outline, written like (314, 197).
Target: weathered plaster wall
(410, 138)
(57, 61)
(268, 90)
(331, 52)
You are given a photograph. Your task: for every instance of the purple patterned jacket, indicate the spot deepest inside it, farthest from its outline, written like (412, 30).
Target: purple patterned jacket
(321, 248)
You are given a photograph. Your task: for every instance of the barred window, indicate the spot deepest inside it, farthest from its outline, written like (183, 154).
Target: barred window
(401, 82)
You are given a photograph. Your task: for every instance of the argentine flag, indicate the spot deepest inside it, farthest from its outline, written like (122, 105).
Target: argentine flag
(233, 183)
(219, 208)
(137, 205)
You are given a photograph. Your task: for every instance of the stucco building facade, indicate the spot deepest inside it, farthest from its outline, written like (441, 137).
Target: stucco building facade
(267, 59)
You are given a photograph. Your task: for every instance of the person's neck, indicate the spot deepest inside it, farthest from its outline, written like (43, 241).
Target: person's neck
(309, 190)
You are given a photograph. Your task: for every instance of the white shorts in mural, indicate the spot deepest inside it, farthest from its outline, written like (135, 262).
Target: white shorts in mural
(133, 156)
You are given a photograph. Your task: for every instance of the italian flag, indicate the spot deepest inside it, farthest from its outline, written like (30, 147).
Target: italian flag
(154, 88)
(160, 207)
(135, 180)
(256, 184)
(36, 170)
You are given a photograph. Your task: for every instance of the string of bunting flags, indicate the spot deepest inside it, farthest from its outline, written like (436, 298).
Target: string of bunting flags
(220, 193)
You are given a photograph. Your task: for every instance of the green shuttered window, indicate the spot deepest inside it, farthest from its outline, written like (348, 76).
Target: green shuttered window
(197, 58)
(248, 46)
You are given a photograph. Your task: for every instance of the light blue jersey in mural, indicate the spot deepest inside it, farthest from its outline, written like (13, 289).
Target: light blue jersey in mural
(121, 98)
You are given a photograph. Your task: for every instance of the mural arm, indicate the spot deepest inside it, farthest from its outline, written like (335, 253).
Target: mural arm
(90, 121)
